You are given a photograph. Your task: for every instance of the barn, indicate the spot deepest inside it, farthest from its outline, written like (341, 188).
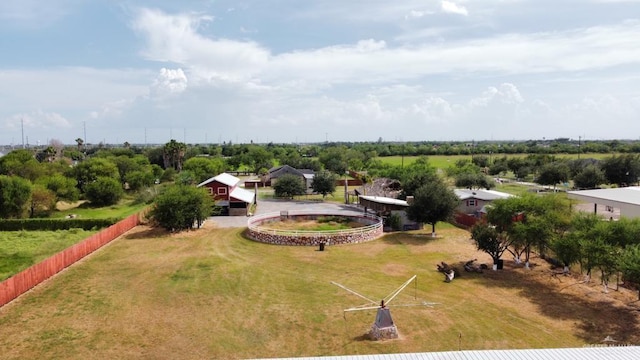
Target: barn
(226, 193)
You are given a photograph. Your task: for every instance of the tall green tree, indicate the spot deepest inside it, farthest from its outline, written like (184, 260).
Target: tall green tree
(91, 169)
(630, 266)
(474, 180)
(335, 159)
(42, 202)
(589, 177)
(203, 168)
(182, 207)
(288, 186)
(490, 240)
(530, 221)
(21, 163)
(623, 170)
(553, 173)
(63, 187)
(173, 154)
(432, 202)
(324, 182)
(15, 193)
(104, 191)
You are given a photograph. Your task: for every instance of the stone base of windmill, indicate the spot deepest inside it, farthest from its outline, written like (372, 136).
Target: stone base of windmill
(385, 333)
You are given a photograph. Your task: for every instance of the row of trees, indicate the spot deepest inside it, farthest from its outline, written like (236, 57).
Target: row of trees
(545, 224)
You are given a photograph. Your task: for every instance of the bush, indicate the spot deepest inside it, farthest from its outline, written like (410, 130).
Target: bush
(179, 207)
(55, 224)
(104, 191)
(288, 186)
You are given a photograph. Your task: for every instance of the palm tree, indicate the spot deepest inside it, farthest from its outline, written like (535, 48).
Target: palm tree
(80, 142)
(173, 154)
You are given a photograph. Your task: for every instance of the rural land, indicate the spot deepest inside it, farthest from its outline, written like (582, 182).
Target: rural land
(189, 281)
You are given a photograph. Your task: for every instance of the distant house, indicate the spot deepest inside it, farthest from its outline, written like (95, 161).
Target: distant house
(473, 202)
(276, 172)
(226, 193)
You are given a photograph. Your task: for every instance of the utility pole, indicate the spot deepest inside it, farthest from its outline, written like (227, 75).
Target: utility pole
(22, 127)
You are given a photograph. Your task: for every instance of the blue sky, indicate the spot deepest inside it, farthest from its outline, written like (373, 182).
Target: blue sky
(310, 71)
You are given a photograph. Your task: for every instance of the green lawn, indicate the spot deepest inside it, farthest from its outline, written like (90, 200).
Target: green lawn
(213, 294)
(444, 161)
(121, 210)
(21, 249)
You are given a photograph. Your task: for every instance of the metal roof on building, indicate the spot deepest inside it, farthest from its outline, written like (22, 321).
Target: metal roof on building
(223, 178)
(242, 194)
(487, 195)
(384, 200)
(627, 195)
(585, 353)
(626, 199)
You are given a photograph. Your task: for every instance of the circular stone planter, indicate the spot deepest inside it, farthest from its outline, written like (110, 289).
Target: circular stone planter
(259, 231)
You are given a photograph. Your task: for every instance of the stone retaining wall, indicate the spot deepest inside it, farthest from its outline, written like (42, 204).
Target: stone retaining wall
(372, 231)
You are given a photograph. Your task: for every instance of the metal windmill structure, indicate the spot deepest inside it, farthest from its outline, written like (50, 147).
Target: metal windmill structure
(383, 327)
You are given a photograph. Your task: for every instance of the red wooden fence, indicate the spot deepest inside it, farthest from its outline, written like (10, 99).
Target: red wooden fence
(20, 283)
(465, 220)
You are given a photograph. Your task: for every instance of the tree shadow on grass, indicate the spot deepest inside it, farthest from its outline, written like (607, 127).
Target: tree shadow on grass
(406, 238)
(150, 232)
(596, 315)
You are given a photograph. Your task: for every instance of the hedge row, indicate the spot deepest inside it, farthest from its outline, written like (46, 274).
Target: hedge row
(54, 224)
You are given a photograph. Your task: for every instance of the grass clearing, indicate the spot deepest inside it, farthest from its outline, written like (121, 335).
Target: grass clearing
(84, 209)
(211, 293)
(21, 249)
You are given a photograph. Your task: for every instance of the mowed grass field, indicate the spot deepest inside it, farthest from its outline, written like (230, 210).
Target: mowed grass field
(444, 161)
(212, 293)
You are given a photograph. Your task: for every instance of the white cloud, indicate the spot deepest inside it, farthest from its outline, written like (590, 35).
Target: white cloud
(452, 8)
(39, 120)
(416, 14)
(169, 82)
(175, 39)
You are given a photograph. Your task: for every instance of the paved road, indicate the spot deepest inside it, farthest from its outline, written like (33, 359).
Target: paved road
(266, 206)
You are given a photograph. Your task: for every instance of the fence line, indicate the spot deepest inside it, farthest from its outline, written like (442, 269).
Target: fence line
(372, 230)
(25, 280)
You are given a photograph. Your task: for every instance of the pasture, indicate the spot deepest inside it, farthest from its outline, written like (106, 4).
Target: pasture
(445, 161)
(21, 249)
(212, 293)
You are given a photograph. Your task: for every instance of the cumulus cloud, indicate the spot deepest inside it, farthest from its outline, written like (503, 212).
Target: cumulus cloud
(169, 82)
(453, 8)
(175, 39)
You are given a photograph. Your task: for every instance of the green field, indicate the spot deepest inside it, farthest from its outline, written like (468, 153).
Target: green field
(444, 161)
(212, 293)
(21, 249)
(84, 210)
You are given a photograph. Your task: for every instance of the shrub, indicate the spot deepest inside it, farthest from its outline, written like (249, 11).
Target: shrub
(104, 191)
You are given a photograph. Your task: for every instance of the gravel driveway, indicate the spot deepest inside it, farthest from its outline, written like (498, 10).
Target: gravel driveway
(266, 206)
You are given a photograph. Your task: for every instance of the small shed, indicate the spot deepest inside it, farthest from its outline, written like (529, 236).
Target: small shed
(385, 207)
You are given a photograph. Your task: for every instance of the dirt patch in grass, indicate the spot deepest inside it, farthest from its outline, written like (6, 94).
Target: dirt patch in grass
(211, 293)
